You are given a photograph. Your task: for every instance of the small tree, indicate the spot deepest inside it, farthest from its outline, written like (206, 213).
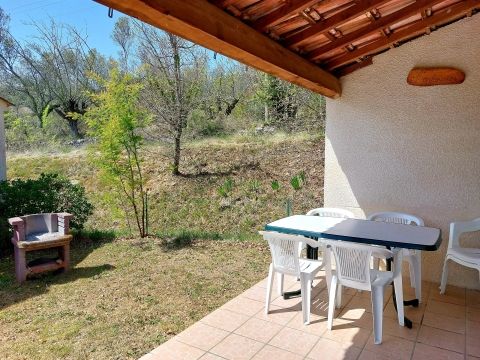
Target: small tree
(115, 121)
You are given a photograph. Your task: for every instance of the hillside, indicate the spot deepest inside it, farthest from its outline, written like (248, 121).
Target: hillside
(192, 202)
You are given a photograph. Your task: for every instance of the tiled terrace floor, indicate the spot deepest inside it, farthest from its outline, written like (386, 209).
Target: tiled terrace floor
(445, 327)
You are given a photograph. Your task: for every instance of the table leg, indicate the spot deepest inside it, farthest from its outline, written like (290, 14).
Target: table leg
(312, 253)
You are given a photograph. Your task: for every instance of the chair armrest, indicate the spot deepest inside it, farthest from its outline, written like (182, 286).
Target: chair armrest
(18, 228)
(64, 223)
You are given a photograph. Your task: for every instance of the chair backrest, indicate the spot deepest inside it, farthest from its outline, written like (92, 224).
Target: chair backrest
(40, 223)
(396, 218)
(331, 212)
(284, 250)
(352, 263)
(458, 228)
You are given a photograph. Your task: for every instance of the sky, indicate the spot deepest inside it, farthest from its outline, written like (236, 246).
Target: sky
(86, 15)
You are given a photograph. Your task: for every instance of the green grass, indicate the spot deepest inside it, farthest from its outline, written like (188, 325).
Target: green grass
(125, 296)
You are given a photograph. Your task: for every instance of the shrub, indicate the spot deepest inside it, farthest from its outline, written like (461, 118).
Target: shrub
(48, 193)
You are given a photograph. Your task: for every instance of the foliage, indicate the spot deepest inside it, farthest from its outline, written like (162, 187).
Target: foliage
(115, 121)
(48, 193)
(226, 188)
(275, 185)
(297, 182)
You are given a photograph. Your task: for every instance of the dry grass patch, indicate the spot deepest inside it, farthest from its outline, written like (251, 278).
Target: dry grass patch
(122, 298)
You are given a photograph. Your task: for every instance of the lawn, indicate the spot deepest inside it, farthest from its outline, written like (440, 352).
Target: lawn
(124, 295)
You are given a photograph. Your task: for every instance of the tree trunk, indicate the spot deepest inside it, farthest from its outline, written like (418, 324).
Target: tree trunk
(176, 156)
(73, 125)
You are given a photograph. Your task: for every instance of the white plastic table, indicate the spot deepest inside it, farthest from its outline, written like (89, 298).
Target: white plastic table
(362, 231)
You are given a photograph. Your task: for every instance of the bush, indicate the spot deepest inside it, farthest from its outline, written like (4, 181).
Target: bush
(48, 193)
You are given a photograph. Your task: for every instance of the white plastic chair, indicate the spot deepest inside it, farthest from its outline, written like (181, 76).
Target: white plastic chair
(353, 270)
(334, 213)
(285, 260)
(331, 212)
(469, 257)
(414, 257)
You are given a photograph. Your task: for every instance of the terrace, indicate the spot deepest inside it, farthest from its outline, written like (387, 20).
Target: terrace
(444, 327)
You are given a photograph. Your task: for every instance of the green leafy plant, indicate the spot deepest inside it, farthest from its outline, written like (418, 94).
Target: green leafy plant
(116, 121)
(48, 193)
(226, 188)
(275, 185)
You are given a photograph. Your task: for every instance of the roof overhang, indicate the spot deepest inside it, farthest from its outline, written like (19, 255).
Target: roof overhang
(307, 42)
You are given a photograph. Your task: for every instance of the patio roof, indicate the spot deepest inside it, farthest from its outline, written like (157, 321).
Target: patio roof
(307, 42)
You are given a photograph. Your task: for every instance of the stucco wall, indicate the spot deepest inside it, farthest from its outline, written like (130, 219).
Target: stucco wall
(392, 146)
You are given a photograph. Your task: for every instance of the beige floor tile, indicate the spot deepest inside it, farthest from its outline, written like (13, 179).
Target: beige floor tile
(209, 356)
(453, 295)
(391, 346)
(150, 356)
(348, 335)
(472, 358)
(292, 303)
(393, 328)
(273, 353)
(236, 347)
(473, 298)
(202, 336)
(295, 341)
(359, 302)
(356, 318)
(317, 326)
(473, 314)
(415, 314)
(473, 329)
(423, 352)
(244, 306)
(370, 355)
(442, 339)
(176, 350)
(259, 330)
(332, 350)
(443, 308)
(225, 319)
(277, 314)
(473, 346)
(257, 293)
(444, 322)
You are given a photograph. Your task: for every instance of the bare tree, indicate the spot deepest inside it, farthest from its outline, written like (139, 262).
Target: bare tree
(49, 72)
(173, 71)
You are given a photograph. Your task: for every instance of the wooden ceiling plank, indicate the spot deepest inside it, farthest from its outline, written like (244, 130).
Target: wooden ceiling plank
(379, 24)
(289, 8)
(451, 13)
(359, 8)
(207, 25)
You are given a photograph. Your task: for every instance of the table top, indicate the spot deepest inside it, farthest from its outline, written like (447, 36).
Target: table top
(360, 231)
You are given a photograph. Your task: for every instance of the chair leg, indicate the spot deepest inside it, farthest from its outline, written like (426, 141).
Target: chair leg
(331, 302)
(328, 267)
(338, 302)
(417, 273)
(20, 265)
(268, 298)
(280, 284)
(377, 307)
(443, 282)
(397, 283)
(306, 288)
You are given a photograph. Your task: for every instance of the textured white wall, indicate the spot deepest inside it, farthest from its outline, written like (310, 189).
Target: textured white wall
(392, 146)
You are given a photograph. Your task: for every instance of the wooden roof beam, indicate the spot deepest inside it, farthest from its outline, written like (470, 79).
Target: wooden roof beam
(439, 17)
(383, 22)
(207, 25)
(289, 8)
(352, 12)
